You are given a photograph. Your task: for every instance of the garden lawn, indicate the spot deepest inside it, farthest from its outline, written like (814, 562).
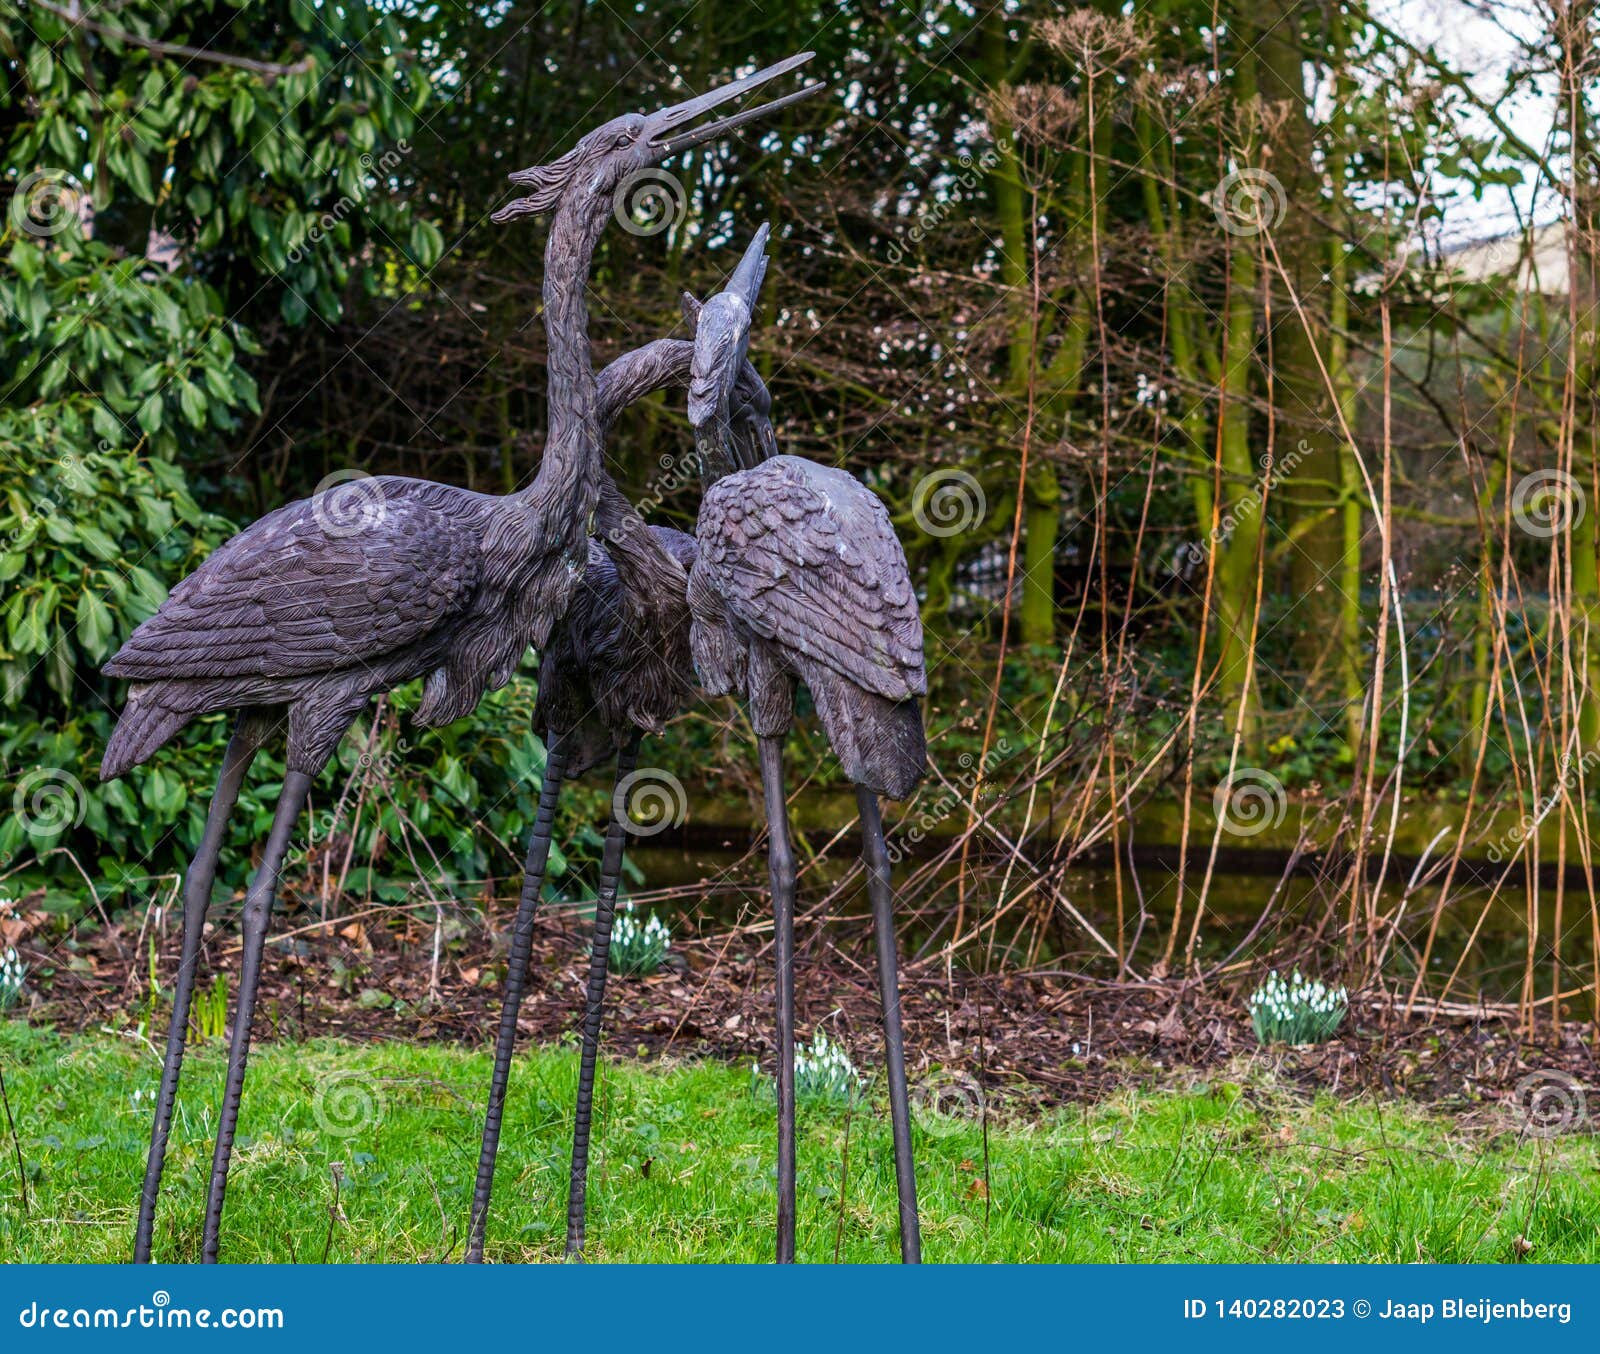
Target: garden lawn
(367, 1153)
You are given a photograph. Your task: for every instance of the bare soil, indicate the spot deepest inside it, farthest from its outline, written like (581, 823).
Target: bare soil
(1040, 1038)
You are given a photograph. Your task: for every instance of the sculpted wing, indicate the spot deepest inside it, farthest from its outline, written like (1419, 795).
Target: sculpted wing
(305, 589)
(805, 556)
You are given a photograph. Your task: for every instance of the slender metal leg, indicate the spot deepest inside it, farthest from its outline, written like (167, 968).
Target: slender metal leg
(605, 909)
(257, 913)
(516, 984)
(236, 759)
(781, 872)
(877, 862)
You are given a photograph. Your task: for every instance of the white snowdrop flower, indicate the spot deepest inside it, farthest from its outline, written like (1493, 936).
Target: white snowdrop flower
(12, 972)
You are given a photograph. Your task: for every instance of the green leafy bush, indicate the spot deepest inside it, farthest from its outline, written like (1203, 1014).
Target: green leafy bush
(158, 210)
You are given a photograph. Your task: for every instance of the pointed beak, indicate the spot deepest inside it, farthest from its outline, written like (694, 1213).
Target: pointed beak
(747, 277)
(664, 123)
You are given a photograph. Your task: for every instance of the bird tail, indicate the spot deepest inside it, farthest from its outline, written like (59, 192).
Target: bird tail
(145, 726)
(879, 742)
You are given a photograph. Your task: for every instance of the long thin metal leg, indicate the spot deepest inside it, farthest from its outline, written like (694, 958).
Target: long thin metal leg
(516, 984)
(605, 908)
(877, 861)
(236, 759)
(257, 913)
(781, 873)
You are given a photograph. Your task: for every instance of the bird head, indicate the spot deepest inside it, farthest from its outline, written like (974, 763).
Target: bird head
(722, 335)
(611, 154)
(749, 406)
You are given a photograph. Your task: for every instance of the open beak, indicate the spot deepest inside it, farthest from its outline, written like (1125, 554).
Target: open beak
(548, 182)
(664, 123)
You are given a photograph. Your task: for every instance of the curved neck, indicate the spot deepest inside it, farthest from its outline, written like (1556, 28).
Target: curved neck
(658, 364)
(569, 472)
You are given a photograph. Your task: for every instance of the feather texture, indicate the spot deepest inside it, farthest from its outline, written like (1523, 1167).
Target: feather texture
(804, 555)
(800, 577)
(302, 590)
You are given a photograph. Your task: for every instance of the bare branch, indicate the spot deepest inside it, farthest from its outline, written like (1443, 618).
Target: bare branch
(74, 15)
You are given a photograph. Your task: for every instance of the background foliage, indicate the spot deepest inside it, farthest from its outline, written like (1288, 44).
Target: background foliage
(1153, 303)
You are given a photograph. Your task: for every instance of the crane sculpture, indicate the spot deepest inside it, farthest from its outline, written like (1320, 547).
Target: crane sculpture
(616, 667)
(297, 621)
(798, 577)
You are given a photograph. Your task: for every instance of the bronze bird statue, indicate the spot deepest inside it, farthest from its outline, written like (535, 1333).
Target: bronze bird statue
(301, 618)
(617, 667)
(798, 577)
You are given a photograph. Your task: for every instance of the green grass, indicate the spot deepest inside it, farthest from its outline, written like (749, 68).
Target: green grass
(683, 1168)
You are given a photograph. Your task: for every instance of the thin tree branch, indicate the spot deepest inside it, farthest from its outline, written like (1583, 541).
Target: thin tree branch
(72, 13)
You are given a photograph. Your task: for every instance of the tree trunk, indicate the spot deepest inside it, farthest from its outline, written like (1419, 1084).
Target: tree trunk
(1312, 485)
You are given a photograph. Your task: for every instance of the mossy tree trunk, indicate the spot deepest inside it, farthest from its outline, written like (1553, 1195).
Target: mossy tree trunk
(1312, 484)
